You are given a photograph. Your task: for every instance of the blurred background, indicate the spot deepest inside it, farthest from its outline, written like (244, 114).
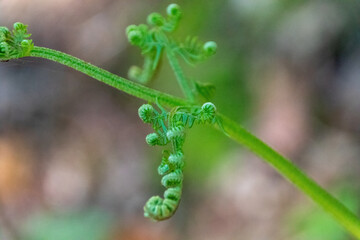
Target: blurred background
(73, 159)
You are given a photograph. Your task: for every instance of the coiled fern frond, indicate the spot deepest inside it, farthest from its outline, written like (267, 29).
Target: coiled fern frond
(194, 51)
(15, 43)
(153, 39)
(170, 127)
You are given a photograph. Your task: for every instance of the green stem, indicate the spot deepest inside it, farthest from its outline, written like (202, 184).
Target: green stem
(148, 70)
(285, 167)
(185, 87)
(108, 78)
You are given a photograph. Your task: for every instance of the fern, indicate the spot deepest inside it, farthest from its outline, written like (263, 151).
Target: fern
(154, 39)
(171, 126)
(15, 44)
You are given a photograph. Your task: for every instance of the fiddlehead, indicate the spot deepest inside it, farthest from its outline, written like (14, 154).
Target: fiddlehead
(194, 51)
(170, 127)
(143, 37)
(15, 43)
(154, 39)
(12, 49)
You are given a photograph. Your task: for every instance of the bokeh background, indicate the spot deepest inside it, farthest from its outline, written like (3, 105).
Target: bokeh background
(73, 160)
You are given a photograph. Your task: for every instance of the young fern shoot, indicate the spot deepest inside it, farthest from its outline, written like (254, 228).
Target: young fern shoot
(154, 39)
(15, 44)
(170, 126)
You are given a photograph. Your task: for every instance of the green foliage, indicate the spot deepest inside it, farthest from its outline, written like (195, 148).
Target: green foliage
(170, 127)
(154, 39)
(15, 43)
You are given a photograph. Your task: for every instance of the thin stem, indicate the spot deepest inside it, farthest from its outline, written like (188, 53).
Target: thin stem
(184, 84)
(108, 78)
(148, 70)
(290, 171)
(232, 129)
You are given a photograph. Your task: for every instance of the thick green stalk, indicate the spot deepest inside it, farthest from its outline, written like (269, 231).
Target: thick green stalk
(285, 167)
(183, 82)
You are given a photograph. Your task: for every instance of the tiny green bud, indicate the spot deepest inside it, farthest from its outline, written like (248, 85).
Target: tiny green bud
(134, 72)
(152, 139)
(131, 28)
(173, 10)
(146, 112)
(210, 48)
(175, 132)
(177, 160)
(18, 26)
(156, 19)
(25, 43)
(208, 109)
(4, 33)
(135, 37)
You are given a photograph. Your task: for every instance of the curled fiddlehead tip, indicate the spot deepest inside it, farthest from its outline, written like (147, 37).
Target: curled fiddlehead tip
(130, 28)
(193, 51)
(146, 112)
(156, 19)
(177, 160)
(135, 35)
(173, 10)
(134, 72)
(15, 43)
(172, 179)
(210, 48)
(152, 139)
(164, 167)
(170, 127)
(209, 108)
(152, 40)
(208, 112)
(159, 209)
(21, 28)
(175, 132)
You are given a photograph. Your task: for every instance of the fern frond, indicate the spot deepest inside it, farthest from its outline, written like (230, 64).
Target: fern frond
(15, 43)
(170, 127)
(194, 51)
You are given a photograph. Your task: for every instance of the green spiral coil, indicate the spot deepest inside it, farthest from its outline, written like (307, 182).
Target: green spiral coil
(170, 127)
